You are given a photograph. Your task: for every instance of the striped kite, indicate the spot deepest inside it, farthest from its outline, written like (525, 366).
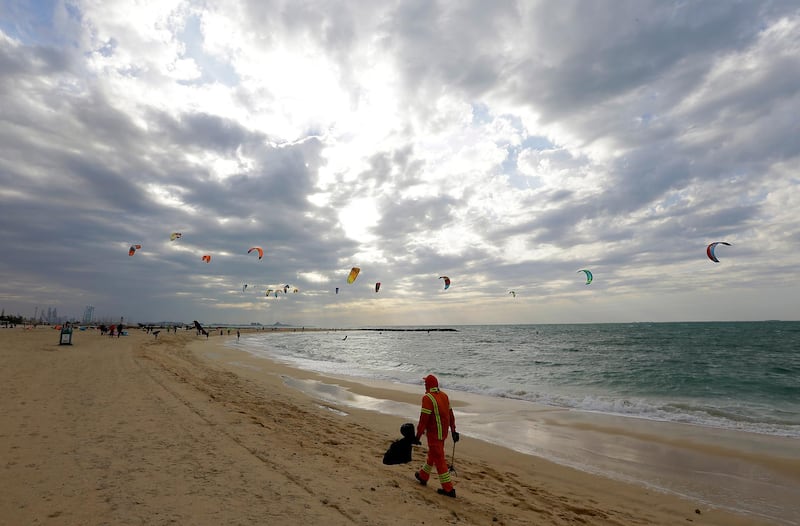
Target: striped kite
(712, 247)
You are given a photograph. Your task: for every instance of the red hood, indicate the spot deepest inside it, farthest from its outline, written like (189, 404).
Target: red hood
(431, 382)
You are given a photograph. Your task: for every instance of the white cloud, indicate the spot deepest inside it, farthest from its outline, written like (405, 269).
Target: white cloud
(507, 145)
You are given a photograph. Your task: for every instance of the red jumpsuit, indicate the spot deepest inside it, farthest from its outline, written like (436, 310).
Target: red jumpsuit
(435, 419)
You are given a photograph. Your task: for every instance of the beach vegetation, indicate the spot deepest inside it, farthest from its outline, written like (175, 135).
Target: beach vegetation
(10, 319)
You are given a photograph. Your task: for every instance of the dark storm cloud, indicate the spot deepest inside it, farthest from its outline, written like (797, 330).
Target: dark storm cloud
(110, 188)
(642, 179)
(405, 220)
(204, 131)
(35, 59)
(439, 47)
(399, 170)
(602, 50)
(87, 201)
(48, 135)
(727, 220)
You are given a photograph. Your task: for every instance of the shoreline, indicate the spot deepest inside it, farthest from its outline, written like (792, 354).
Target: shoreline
(181, 429)
(547, 377)
(658, 455)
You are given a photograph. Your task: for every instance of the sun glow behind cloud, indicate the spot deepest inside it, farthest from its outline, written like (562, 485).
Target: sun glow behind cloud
(357, 219)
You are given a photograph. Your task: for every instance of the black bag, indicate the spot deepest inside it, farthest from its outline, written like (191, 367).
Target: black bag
(400, 450)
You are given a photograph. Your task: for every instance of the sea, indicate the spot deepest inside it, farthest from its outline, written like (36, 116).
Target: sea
(704, 410)
(735, 375)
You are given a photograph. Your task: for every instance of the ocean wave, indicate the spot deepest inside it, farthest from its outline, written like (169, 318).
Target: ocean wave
(667, 372)
(786, 424)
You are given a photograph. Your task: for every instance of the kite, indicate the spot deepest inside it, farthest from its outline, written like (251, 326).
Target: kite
(244, 288)
(286, 289)
(269, 291)
(712, 247)
(206, 258)
(588, 275)
(446, 282)
(259, 250)
(295, 290)
(200, 328)
(377, 286)
(337, 290)
(175, 235)
(133, 249)
(513, 293)
(353, 274)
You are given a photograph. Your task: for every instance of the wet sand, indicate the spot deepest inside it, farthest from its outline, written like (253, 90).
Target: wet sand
(739, 471)
(180, 429)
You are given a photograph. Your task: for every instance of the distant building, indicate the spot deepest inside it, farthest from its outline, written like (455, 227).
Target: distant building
(88, 314)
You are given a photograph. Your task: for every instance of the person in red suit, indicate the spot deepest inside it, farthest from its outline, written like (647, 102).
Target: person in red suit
(436, 418)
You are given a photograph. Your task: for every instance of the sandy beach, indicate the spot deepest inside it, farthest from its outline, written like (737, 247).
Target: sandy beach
(139, 430)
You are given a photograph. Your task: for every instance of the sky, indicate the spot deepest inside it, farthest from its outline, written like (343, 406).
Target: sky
(507, 145)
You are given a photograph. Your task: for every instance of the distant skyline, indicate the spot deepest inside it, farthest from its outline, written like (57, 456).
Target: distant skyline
(504, 144)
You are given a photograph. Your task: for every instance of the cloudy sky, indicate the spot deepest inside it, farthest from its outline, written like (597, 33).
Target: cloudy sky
(505, 144)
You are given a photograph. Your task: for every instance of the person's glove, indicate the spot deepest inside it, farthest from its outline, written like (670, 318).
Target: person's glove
(456, 436)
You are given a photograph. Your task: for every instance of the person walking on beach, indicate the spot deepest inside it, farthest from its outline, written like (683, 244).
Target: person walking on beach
(435, 419)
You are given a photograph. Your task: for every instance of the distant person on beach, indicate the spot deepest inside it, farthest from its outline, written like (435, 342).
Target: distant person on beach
(435, 419)
(237, 335)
